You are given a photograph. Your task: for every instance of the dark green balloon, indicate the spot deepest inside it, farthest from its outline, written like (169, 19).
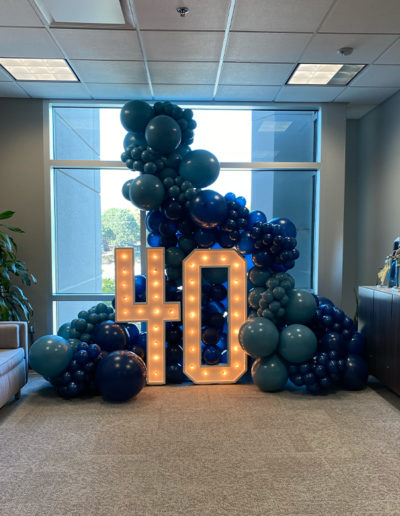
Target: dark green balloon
(147, 192)
(187, 244)
(301, 307)
(200, 167)
(259, 277)
(297, 343)
(50, 355)
(215, 274)
(259, 337)
(174, 256)
(270, 374)
(135, 115)
(163, 134)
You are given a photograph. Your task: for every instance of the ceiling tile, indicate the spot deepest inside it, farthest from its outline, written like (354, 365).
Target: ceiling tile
(285, 15)
(87, 11)
(162, 15)
(365, 95)
(255, 73)
(110, 71)
(247, 93)
(380, 76)
(363, 16)
(356, 111)
(11, 89)
(120, 91)
(99, 44)
(391, 56)
(58, 90)
(182, 46)
(183, 73)
(179, 92)
(308, 93)
(24, 42)
(265, 48)
(323, 48)
(18, 13)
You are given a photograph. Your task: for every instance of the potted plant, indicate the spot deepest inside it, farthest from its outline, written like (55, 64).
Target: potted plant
(14, 305)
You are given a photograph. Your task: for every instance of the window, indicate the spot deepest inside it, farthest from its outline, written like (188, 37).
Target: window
(268, 156)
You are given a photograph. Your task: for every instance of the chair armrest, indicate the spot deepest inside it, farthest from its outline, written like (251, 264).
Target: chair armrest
(14, 334)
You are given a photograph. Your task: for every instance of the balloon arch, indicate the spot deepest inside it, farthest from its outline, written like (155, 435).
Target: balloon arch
(293, 338)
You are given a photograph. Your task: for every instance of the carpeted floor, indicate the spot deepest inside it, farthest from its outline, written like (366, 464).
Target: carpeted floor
(201, 451)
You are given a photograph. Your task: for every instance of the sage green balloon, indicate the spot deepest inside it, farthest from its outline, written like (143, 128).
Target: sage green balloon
(301, 307)
(270, 374)
(147, 192)
(50, 355)
(259, 337)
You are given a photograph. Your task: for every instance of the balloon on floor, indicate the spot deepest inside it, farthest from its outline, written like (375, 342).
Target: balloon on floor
(292, 334)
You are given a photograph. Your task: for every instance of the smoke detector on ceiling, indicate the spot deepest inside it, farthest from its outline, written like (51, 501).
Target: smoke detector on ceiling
(182, 11)
(345, 51)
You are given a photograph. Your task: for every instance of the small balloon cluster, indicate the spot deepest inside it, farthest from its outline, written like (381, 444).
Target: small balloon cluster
(286, 332)
(92, 354)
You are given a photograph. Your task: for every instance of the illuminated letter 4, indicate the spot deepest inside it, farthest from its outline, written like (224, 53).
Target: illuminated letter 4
(155, 311)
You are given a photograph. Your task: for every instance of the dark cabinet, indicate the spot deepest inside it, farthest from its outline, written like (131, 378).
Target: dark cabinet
(379, 322)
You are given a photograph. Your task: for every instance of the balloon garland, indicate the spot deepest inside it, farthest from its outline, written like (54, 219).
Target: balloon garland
(290, 334)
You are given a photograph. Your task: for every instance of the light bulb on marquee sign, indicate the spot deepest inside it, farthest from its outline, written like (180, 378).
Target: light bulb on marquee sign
(156, 311)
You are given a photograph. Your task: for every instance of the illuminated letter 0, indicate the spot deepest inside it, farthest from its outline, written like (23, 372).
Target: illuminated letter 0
(155, 311)
(237, 313)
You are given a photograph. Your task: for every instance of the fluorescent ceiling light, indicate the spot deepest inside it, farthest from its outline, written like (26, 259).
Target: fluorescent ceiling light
(324, 74)
(38, 69)
(102, 12)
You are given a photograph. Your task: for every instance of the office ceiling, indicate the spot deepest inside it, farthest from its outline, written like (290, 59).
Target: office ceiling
(222, 50)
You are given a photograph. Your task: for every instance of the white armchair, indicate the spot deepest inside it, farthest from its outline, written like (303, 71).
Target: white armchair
(13, 359)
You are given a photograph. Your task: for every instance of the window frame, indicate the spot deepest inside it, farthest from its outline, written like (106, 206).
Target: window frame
(52, 164)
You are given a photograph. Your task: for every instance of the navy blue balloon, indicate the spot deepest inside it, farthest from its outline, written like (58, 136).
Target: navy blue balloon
(174, 372)
(153, 220)
(211, 354)
(120, 376)
(256, 216)
(333, 341)
(356, 373)
(208, 208)
(142, 340)
(356, 344)
(246, 243)
(133, 333)
(205, 238)
(286, 226)
(110, 336)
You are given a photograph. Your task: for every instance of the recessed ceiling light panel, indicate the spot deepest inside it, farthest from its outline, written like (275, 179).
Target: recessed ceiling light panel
(324, 74)
(39, 69)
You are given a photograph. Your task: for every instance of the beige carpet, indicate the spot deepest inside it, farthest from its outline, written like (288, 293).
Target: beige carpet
(201, 451)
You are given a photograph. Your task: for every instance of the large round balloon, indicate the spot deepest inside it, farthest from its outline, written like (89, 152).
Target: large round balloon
(120, 375)
(356, 373)
(50, 355)
(297, 343)
(163, 134)
(147, 192)
(259, 337)
(270, 374)
(133, 139)
(110, 336)
(135, 115)
(301, 307)
(200, 167)
(208, 208)
(64, 330)
(287, 226)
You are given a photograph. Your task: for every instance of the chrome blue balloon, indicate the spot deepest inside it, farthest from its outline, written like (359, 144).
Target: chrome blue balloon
(256, 216)
(287, 227)
(208, 209)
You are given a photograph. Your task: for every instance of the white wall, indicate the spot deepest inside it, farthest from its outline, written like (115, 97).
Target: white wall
(22, 189)
(378, 180)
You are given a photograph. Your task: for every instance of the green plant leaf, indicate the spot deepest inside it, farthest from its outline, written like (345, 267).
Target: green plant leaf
(15, 229)
(6, 214)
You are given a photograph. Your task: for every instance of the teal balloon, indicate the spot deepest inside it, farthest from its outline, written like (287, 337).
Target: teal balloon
(297, 343)
(215, 274)
(254, 297)
(259, 337)
(135, 115)
(50, 355)
(74, 343)
(270, 374)
(163, 134)
(174, 256)
(301, 307)
(259, 277)
(147, 192)
(200, 167)
(64, 330)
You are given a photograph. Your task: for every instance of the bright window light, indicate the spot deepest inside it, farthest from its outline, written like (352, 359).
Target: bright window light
(38, 69)
(324, 74)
